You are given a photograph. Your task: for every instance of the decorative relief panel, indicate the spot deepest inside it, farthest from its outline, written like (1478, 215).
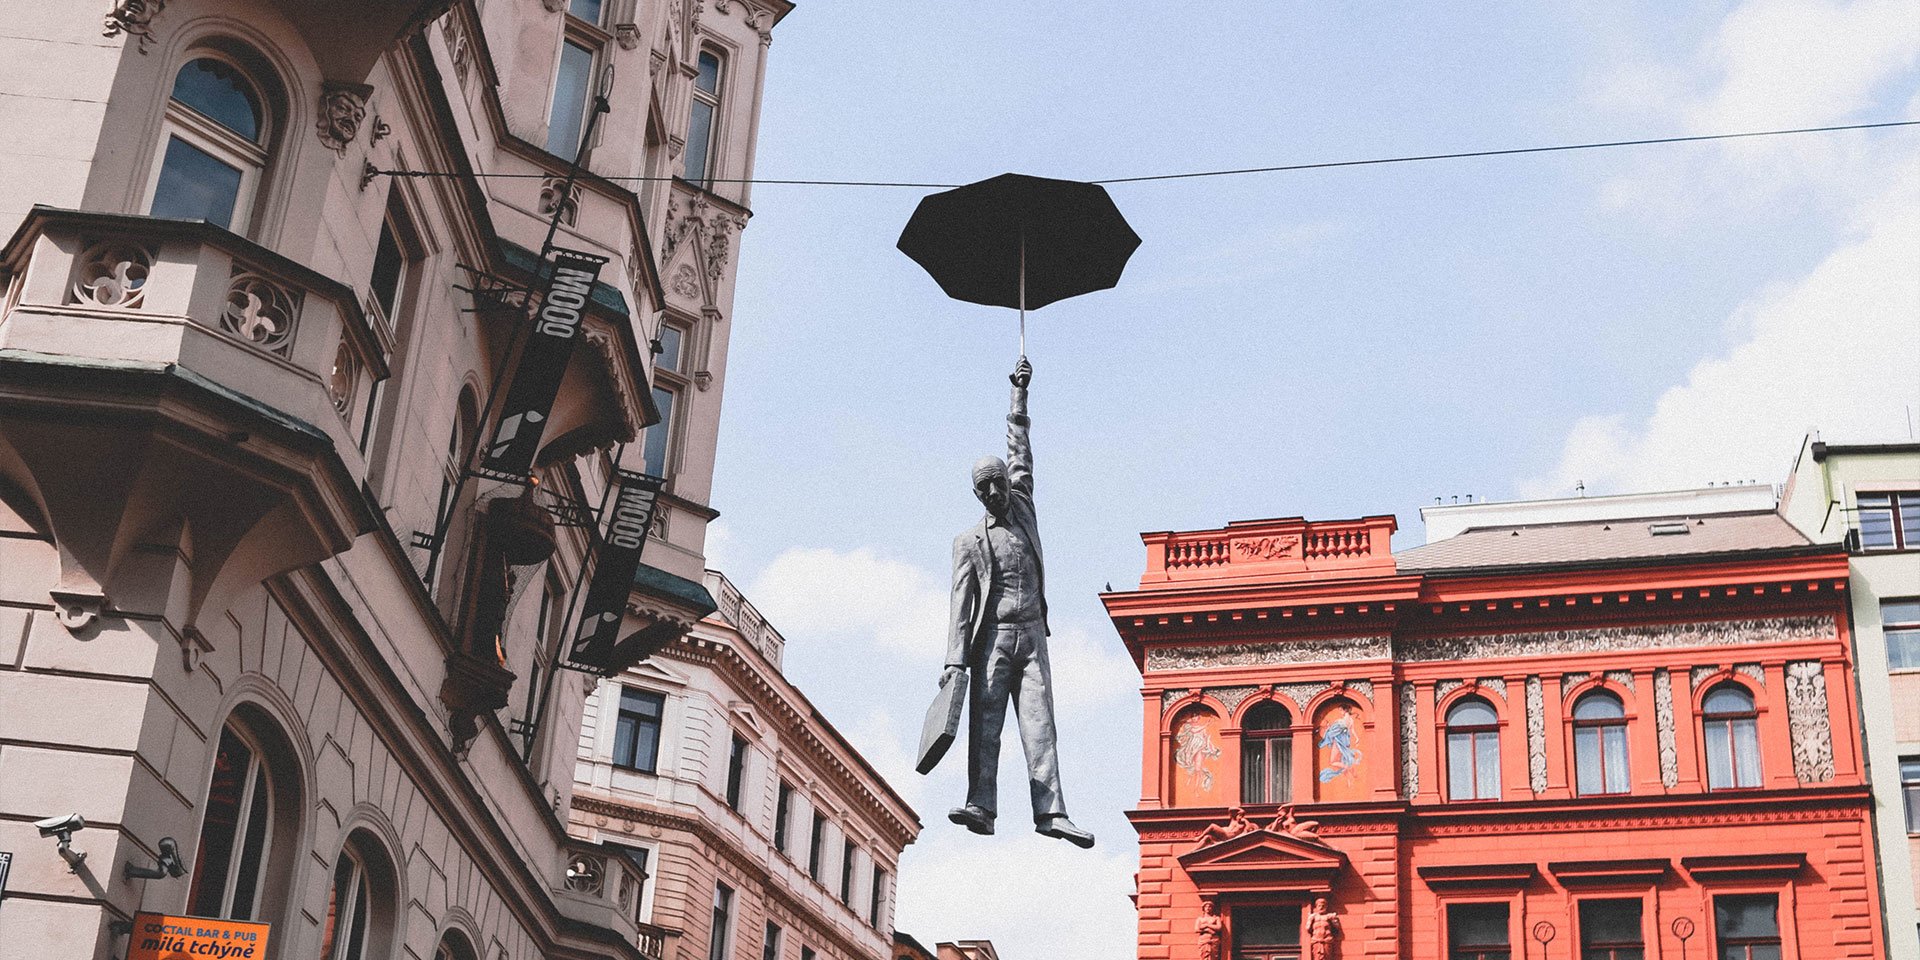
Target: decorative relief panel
(260, 312)
(1752, 671)
(1409, 741)
(1621, 677)
(1663, 727)
(135, 19)
(1536, 736)
(1699, 675)
(1495, 685)
(112, 273)
(1266, 548)
(1444, 687)
(1807, 721)
(1361, 687)
(1570, 680)
(1608, 639)
(1231, 697)
(557, 195)
(345, 375)
(1300, 693)
(1169, 697)
(1326, 650)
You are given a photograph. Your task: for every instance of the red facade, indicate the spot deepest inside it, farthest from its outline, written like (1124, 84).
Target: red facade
(1649, 750)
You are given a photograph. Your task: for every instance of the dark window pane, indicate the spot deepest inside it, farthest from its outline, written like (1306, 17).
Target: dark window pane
(1472, 713)
(218, 91)
(569, 114)
(219, 827)
(636, 732)
(1266, 927)
(1903, 648)
(1746, 753)
(722, 910)
(1910, 790)
(846, 872)
(654, 452)
(1875, 517)
(782, 812)
(357, 942)
(770, 943)
(875, 896)
(814, 842)
(588, 10)
(670, 342)
(1610, 923)
(253, 852)
(708, 79)
(1747, 915)
(387, 264)
(1728, 698)
(1910, 520)
(699, 139)
(1598, 706)
(195, 186)
(1477, 925)
(736, 769)
(1253, 771)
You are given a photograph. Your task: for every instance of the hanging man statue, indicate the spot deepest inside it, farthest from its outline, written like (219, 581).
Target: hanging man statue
(998, 630)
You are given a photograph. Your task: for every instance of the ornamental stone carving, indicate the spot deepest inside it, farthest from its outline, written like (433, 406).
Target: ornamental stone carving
(342, 107)
(557, 195)
(1752, 671)
(1169, 697)
(1231, 697)
(1699, 675)
(1301, 693)
(1444, 687)
(1536, 736)
(1663, 727)
(260, 312)
(1807, 721)
(1325, 650)
(720, 230)
(112, 273)
(342, 379)
(1361, 687)
(1570, 680)
(586, 874)
(1621, 677)
(458, 47)
(135, 19)
(1493, 685)
(1409, 741)
(1714, 633)
(686, 281)
(1266, 548)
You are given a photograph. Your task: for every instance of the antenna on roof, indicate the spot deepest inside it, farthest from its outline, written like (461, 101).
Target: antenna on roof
(1579, 488)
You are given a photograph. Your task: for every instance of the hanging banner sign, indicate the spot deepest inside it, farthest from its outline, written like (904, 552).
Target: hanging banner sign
(629, 518)
(157, 936)
(523, 415)
(6, 864)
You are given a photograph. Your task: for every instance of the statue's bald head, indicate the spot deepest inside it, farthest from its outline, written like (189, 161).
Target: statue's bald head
(990, 484)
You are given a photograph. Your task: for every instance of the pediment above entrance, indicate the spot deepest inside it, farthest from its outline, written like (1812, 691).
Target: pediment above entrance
(1266, 859)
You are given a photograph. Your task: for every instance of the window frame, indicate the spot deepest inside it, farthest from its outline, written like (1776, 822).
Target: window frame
(770, 942)
(848, 864)
(359, 881)
(876, 895)
(1274, 747)
(1910, 792)
(1894, 509)
(782, 819)
(716, 104)
(216, 140)
(817, 846)
(720, 935)
(659, 728)
(1474, 733)
(1602, 726)
(259, 775)
(593, 38)
(1478, 951)
(1728, 740)
(674, 381)
(1721, 941)
(1899, 628)
(736, 771)
(1608, 949)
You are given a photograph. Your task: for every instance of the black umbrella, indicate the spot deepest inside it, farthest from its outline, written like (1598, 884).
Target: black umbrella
(1020, 241)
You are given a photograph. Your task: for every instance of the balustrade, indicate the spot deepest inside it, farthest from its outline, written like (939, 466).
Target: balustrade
(1268, 548)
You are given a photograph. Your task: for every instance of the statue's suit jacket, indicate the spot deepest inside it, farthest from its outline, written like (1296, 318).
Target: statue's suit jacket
(972, 560)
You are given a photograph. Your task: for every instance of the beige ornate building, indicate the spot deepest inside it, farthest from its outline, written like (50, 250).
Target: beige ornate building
(765, 833)
(265, 286)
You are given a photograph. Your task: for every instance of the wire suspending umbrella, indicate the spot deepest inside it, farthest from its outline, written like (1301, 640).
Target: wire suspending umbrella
(1020, 242)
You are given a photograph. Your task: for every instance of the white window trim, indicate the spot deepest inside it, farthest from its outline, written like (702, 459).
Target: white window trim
(203, 132)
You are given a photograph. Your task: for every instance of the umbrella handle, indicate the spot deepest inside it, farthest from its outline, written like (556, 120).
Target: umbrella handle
(1023, 292)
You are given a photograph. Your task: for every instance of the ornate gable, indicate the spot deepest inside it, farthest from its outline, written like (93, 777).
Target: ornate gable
(1264, 859)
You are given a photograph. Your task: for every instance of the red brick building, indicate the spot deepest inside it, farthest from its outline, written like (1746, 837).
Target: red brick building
(1614, 739)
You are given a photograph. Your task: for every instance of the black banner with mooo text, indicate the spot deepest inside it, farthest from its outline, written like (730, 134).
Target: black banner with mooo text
(629, 518)
(536, 381)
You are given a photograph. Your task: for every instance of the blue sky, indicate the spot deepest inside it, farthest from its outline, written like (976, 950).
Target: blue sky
(1327, 343)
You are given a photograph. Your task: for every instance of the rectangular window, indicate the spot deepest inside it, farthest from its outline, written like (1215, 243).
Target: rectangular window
(806, 953)
(770, 947)
(877, 897)
(736, 770)
(641, 856)
(672, 341)
(1910, 791)
(1266, 931)
(389, 263)
(1477, 931)
(1900, 624)
(782, 815)
(1610, 930)
(816, 845)
(658, 440)
(1888, 521)
(569, 115)
(722, 921)
(846, 873)
(636, 734)
(706, 105)
(194, 185)
(588, 10)
(1747, 926)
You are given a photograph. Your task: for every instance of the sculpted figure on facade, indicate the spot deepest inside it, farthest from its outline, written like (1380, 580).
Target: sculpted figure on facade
(342, 107)
(998, 632)
(1286, 824)
(1322, 927)
(1209, 928)
(1236, 825)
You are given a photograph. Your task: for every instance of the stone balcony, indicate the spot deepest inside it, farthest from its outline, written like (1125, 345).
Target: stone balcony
(1269, 551)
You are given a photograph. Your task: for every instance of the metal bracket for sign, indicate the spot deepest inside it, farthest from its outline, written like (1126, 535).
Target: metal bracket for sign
(6, 865)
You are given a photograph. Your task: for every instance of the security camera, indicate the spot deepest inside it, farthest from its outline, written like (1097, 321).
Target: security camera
(167, 864)
(61, 826)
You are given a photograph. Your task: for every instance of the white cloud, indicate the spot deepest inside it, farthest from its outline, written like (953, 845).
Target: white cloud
(1028, 894)
(817, 590)
(1835, 350)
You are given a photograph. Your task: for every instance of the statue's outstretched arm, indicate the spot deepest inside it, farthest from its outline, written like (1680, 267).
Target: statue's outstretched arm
(1019, 444)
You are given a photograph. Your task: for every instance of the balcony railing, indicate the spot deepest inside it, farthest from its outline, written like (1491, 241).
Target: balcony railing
(1269, 550)
(186, 293)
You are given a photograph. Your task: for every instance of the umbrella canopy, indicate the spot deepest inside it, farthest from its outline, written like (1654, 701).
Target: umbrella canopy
(973, 239)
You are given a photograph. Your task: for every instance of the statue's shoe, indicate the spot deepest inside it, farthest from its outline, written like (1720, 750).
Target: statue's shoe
(973, 818)
(1064, 829)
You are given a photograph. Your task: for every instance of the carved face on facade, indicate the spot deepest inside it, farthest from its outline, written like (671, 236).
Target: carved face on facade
(340, 115)
(1206, 907)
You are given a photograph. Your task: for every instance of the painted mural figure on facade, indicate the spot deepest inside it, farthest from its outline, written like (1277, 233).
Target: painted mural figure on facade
(998, 632)
(1193, 751)
(1337, 736)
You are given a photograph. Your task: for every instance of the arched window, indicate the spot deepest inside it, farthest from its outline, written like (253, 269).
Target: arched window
(453, 946)
(1599, 744)
(1473, 751)
(1266, 755)
(700, 126)
(359, 920)
(249, 827)
(1731, 727)
(213, 145)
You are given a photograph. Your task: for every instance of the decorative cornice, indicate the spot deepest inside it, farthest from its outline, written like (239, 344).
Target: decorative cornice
(1320, 650)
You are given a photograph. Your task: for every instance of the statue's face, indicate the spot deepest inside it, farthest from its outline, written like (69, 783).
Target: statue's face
(1207, 908)
(992, 492)
(1319, 903)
